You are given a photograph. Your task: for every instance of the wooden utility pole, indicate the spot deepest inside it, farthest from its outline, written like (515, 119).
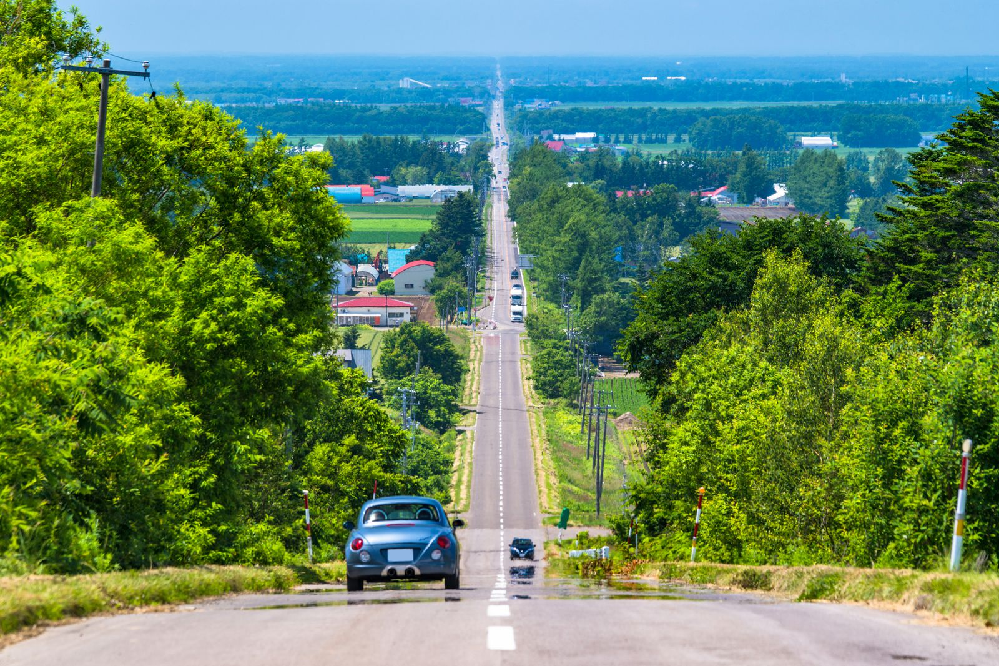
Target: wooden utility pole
(105, 71)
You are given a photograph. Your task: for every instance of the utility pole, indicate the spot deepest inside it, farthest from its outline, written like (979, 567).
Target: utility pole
(105, 71)
(602, 453)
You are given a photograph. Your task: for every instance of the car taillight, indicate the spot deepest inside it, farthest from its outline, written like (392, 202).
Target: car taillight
(443, 541)
(356, 543)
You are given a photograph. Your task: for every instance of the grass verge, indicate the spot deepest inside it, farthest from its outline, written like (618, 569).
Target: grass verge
(461, 477)
(26, 601)
(966, 598)
(544, 468)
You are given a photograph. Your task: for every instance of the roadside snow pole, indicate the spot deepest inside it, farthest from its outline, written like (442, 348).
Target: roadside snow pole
(962, 500)
(374, 493)
(308, 524)
(697, 524)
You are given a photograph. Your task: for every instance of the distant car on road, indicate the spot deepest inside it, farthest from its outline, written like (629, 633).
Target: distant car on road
(402, 538)
(514, 274)
(521, 549)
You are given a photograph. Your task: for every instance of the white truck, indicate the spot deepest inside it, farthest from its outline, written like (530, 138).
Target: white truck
(516, 295)
(517, 313)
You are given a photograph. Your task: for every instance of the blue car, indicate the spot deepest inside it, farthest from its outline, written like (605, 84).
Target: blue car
(402, 538)
(521, 549)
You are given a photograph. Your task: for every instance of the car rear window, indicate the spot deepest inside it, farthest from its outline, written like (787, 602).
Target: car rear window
(381, 513)
(521, 542)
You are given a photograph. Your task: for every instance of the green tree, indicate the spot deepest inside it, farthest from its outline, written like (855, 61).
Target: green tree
(945, 222)
(688, 297)
(752, 179)
(386, 287)
(818, 183)
(400, 348)
(554, 372)
(436, 402)
(351, 337)
(889, 165)
(456, 227)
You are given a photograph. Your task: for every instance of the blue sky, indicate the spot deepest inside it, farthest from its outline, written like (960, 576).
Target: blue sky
(548, 27)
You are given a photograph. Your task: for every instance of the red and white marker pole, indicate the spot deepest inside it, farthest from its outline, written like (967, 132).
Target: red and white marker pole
(962, 501)
(374, 493)
(697, 524)
(308, 524)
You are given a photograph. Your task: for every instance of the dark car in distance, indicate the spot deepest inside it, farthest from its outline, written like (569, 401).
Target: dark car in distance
(514, 274)
(521, 549)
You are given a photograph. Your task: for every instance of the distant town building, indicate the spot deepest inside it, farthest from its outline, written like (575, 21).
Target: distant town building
(817, 142)
(435, 193)
(373, 311)
(343, 275)
(577, 137)
(357, 358)
(397, 259)
(412, 278)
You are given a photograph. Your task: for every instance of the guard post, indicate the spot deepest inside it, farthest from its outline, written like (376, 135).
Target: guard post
(959, 514)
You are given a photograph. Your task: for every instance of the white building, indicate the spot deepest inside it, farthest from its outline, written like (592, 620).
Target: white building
(374, 311)
(817, 142)
(411, 279)
(343, 276)
(426, 191)
(577, 137)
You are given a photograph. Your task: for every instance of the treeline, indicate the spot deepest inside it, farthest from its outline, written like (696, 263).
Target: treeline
(407, 161)
(819, 387)
(331, 119)
(804, 119)
(742, 91)
(242, 93)
(167, 382)
(595, 238)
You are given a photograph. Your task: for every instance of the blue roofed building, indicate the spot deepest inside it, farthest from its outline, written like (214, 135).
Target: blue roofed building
(396, 259)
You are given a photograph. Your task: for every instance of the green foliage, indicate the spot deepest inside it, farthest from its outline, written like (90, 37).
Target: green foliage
(820, 441)
(165, 388)
(947, 218)
(334, 119)
(733, 132)
(752, 179)
(351, 337)
(36, 32)
(689, 295)
(408, 161)
(862, 130)
(818, 183)
(386, 288)
(436, 402)
(457, 227)
(888, 166)
(554, 372)
(401, 348)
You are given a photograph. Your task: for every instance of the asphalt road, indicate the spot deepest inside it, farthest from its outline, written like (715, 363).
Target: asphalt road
(506, 612)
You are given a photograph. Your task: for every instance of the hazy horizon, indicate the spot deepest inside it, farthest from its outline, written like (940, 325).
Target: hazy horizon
(631, 28)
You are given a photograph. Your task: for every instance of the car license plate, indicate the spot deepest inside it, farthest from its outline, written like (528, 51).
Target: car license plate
(400, 555)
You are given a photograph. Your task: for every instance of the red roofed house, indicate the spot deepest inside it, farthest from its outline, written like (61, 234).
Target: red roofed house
(411, 279)
(382, 179)
(374, 311)
(557, 146)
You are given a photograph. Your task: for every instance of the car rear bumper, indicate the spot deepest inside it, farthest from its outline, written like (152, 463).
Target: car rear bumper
(402, 571)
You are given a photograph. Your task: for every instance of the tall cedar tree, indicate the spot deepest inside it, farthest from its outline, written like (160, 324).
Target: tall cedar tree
(948, 219)
(456, 226)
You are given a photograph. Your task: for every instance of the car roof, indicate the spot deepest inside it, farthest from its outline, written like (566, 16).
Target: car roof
(401, 499)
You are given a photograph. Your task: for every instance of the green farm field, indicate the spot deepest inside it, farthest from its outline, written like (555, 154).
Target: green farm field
(395, 223)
